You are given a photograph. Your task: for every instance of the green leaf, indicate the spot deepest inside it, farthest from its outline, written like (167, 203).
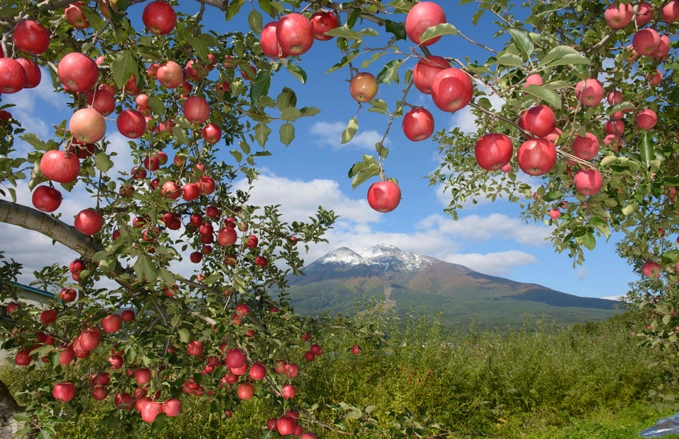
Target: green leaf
(35, 142)
(646, 148)
(44, 434)
(297, 72)
(549, 96)
(199, 46)
(267, 7)
(184, 335)
(102, 161)
(167, 276)
(630, 208)
(438, 30)
(350, 131)
(378, 106)
(522, 40)
(180, 135)
(260, 86)
(588, 241)
(390, 72)
(146, 269)
(123, 67)
(608, 160)
(620, 107)
(262, 133)
(234, 8)
(245, 147)
(157, 106)
(237, 155)
(396, 28)
(382, 150)
(364, 175)
(291, 114)
(22, 417)
(309, 111)
(286, 99)
(287, 133)
(671, 181)
(553, 195)
(158, 424)
(351, 19)
(509, 59)
(563, 55)
(255, 21)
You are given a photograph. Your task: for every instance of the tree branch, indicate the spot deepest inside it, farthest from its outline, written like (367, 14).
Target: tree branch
(32, 219)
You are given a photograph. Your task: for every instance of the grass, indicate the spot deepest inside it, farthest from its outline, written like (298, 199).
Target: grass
(588, 381)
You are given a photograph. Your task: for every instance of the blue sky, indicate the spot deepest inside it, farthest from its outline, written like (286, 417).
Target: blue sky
(312, 171)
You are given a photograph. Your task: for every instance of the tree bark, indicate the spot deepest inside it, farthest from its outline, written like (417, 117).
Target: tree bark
(8, 408)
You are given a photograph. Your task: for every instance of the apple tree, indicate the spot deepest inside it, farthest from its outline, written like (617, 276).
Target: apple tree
(588, 116)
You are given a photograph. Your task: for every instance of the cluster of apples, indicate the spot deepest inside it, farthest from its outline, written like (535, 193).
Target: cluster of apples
(294, 34)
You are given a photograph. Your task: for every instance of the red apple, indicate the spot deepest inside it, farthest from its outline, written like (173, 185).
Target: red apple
(127, 315)
(295, 34)
(616, 127)
(112, 323)
(172, 407)
(206, 185)
(269, 42)
(536, 156)
(66, 355)
(586, 147)
(142, 376)
(196, 110)
(619, 15)
(33, 73)
(212, 133)
(115, 361)
(67, 295)
(159, 18)
(421, 17)
(588, 182)
(654, 78)
(102, 101)
(46, 198)
(355, 349)
(670, 12)
(246, 391)
(227, 237)
(149, 409)
(190, 192)
(288, 391)
(539, 120)
(171, 189)
(589, 92)
(384, 196)
(48, 316)
(321, 22)
(644, 14)
(235, 358)
(261, 261)
(309, 435)
(78, 72)
(170, 74)
(663, 48)
(75, 17)
(257, 371)
(88, 222)
(12, 76)
(534, 79)
(651, 269)
(23, 358)
(418, 124)
(87, 125)
(88, 339)
(99, 393)
(64, 391)
(31, 37)
(646, 41)
(59, 167)
(646, 119)
(131, 124)
(452, 89)
(195, 348)
(363, 87)
(493, 151)
(614, 98)
(286, 425)
(426, 70)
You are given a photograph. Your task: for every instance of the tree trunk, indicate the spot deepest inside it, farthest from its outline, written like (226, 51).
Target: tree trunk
(8, 408)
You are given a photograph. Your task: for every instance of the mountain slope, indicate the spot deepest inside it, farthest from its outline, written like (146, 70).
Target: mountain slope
(339, 280)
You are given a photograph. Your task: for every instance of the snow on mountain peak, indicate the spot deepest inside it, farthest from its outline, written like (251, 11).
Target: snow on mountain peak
(385, 256)
(342, 255)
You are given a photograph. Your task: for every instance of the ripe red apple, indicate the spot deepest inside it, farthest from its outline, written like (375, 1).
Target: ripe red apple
(48, 316)
(102, 101)
(316, 349)
(651, 269)
(363, 87)
(616, 127)
(159, 18)
(286, 425)
(614, 98)
(309, 435)
(115, 361)
(195, 348)
(75, 17)
(46, 198)
(257, 371)
(87, 125)
(131, 124)
(644, 13)
(288, 391)
(99, 393)
(171, 189)
(88, 222)
(235, 358)
(89, 339)
(227, 237)
(418, 124)
(64, 391)
(384, 196)
(127, 315)
(534, 79)
(195, 257)
(355, 349)
(170, 74)
(646, 41)
(646, 119)
(142, 376)
(295, 34)
(321, 22)
(536, 156)
(78, 72)
(663, 48)
(654, 78)
(206, 185)
(149, 409)
(421, 17)
(588, 182)
(619, 15)
(66, 355)
(123, 400)
(271, 424)
(452, 89)
(67, 295)
(589, 92)
(59, 167)
(670, 12)
(31, 37)
(190, 191)
(493, 151)
(112, 323)
(172, 407)
(586, 147)
(12, 76)
(33, 73)
(261, 261)
(212, 212)
(246, 391)
(212, 133)
(23, 358)
(269, 42)
(426, 70)
(196, 110)
(539, 120)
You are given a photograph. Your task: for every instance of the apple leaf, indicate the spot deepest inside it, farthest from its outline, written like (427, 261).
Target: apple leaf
(255, 21)
(378, 106)
(287, 133)
(234, 8)
(309, 111)
(146, 269)
(509, 59)
(290, 114)
(382, 150)
(521, 40)
(184, 335)
(237, 155)
(92, 17)
(260, 87)
(608, 160)
(589, 241)
(35, 142)
(180, 135)
(297, 72)
(350, 131)
(158, 424)
(157, 106)
(646, 148)
(102, 161)
(365, 174)
(553, 195)
(199, 46)
(439, 30)
(268, 7)
(396, 28)
(671, 181)
(546, 95)
(287, 98)
(630, 209)
(620, 107)
(262, 133)
(167, 276)
(351, 19)
(563, 55)
(123, 67)
(390, 72)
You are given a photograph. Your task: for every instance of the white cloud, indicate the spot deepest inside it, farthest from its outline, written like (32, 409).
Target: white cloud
(330, 134)
(580, 273)
(495, 226)
(494, 264)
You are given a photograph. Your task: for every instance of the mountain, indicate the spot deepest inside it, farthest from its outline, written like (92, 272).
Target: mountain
(339, 280)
